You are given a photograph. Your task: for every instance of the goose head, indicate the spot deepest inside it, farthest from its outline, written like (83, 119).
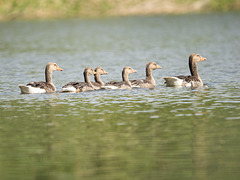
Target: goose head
(128, 70)
(100, 70)
(196, 58)
(89, 71)
(53, 67)
(153, 66)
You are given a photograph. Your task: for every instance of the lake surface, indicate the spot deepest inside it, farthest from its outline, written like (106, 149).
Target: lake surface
(166, 133)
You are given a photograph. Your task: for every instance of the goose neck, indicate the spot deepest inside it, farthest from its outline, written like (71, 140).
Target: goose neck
(87, 78)
(98, 79)
(149, 76)
(193, 68)
(125, 77)
(48, 75)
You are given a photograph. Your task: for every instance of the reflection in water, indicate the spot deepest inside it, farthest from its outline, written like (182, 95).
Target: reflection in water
(166, 133)
(76, 137)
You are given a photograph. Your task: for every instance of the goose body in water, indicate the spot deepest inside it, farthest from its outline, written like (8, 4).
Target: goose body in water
(42, 87)
(80, 86)
(98, 82)
(149, 82)
(124, 84)
(193, 80)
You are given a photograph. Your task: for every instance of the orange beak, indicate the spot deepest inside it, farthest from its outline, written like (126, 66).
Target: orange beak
(203, 59)
(105, 72)
(59, 69)
(159, 67)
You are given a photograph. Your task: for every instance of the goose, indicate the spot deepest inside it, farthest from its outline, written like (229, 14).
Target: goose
(193, 80)
(149, 82)
(98, 82)
(80, 86)
(124, 84)
(42, 87)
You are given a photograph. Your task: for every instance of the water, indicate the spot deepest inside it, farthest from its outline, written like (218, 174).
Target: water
(166, 133)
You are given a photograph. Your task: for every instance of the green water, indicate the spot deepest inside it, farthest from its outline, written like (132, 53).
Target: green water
(166, 133)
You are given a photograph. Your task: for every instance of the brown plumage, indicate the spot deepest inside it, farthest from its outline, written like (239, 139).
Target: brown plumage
(193, 80)
(149, 82)
(80, 86)
(124, 84)
(42, 87)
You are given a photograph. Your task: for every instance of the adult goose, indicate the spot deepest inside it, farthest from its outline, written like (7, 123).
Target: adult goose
(98, 82)
(124, 84)
(193, 80)
(42, 87)
(80, 86)
(149, 82)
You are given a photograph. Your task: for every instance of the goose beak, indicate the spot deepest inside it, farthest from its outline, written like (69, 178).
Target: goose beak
(159, 67)
(105, 72)
(134, 71)
(203, 59)
(59, 69)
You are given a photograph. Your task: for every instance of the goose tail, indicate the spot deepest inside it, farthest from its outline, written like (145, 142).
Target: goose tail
(173, 81)
(68, 89)
(30, 90)
(109, 87)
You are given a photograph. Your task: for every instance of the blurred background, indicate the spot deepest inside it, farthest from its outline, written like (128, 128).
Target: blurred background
(17, 9)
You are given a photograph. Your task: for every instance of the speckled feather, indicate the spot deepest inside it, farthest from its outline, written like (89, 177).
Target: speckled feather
(43, 85)
(188, 79)
(142, 83)
(119, 85)
(80, 86)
